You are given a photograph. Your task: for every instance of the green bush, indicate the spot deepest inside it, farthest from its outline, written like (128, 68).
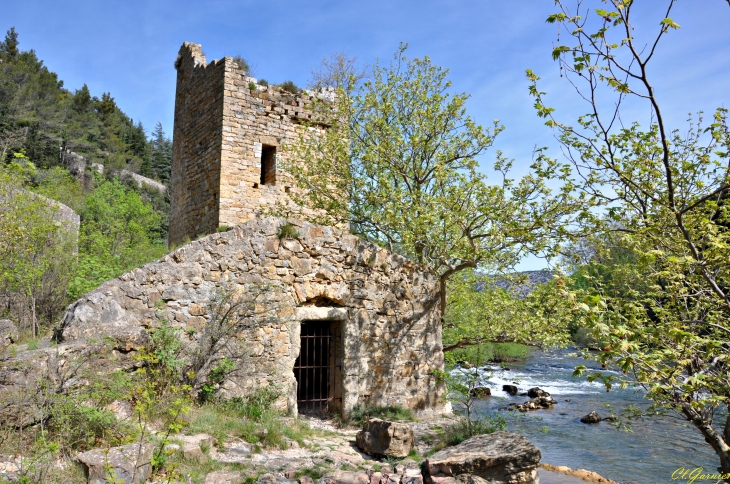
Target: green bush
(361, 413)
(290, 87)
(253, 419)
(263, 82)
(489, 352)
(458, 432)
(288, 231)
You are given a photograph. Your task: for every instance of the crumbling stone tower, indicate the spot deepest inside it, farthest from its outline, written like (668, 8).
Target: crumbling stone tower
(229, 140)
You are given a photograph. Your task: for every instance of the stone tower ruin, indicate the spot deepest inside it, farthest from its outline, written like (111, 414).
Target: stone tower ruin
(229, 142)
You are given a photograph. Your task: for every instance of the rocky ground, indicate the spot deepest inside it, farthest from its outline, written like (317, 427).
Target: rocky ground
(329, 456)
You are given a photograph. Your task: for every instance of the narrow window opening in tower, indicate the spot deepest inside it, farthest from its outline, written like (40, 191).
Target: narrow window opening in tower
(268, 165)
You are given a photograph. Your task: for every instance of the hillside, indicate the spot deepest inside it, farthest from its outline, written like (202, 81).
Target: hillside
(42, 118)
(86, 153)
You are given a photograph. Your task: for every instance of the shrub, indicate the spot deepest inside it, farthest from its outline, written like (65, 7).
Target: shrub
(361, 413)
(288, 231)
(459, 431)
(290, 87)
(243, 65)
(263, 82)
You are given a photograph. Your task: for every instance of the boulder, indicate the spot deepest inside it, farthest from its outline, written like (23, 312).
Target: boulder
(591, 418)
(498, 458)
(194, 446)
(8, 333)
(480, 392)
(129, 464)
(511, 389)
(536, 392)
(383, 438)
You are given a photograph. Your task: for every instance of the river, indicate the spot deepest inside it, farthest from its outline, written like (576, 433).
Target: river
(649, 455)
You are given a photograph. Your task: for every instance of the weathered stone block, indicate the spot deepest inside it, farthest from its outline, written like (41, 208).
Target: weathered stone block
(129, 464)
(383, 438)
(498, 458)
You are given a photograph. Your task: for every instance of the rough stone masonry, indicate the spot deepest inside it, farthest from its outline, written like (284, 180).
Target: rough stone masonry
(386, 307)
(344, 322)
(229, 142)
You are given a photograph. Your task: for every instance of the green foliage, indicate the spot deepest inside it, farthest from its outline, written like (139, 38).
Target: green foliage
(361, 413)
(118, 233)
(654, 290)
(215, 378)
(479, 310)
(9, 47)
(253, 419)
(287, 231)
(160, 149)
(251, 86)
(289, 86)
(224, 228)
(488, 352)
(461, 430)
(244, 65)
(36, 248)
(263, 82)
(398, 164)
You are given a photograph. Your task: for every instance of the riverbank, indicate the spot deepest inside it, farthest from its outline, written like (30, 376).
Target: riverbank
(332, 454)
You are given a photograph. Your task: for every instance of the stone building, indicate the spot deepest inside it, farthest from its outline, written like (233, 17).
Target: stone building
(344, 322)
(229, 142)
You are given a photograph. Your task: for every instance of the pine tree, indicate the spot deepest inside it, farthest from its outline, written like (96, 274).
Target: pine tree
(161, 154)
(9, 47)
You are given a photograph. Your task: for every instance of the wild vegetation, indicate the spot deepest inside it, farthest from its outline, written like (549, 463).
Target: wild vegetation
(122, 226)
(640, 214)
(654, 282)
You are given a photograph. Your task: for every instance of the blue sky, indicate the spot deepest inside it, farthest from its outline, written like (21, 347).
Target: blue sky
(128, 49)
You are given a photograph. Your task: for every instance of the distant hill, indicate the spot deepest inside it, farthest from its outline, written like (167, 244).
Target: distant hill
(521, 283)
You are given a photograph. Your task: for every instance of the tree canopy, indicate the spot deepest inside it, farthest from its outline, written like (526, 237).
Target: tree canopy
(398, 162)
(656, 291)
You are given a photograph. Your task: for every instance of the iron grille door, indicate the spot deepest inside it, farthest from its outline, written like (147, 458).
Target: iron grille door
(314, 366)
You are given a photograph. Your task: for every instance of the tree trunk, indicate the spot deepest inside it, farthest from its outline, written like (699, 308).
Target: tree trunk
(33, 322)
(719, 445)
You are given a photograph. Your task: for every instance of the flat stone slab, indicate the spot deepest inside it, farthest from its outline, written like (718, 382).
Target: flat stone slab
(129, 464)
(501, 457)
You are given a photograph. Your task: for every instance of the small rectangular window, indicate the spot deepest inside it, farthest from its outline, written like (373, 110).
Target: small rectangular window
(268, 165)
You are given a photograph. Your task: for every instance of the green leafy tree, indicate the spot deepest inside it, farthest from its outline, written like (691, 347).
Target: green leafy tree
(398, 163)
(161, 155)
(483, 309)
(118, 233)
(36, 248)
(663, 317)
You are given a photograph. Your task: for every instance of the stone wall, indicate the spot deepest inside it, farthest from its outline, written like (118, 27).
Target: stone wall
(225, 126)
(388, 308)
(196, 150)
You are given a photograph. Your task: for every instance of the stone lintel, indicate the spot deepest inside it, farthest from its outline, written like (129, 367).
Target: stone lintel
(312, 313)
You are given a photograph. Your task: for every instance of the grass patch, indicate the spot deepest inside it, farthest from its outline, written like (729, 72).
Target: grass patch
(288, 231)
(458, 432)
(252, 419)
(391, 412)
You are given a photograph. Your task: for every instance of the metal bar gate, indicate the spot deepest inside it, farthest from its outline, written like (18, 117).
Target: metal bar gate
(314, 369)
